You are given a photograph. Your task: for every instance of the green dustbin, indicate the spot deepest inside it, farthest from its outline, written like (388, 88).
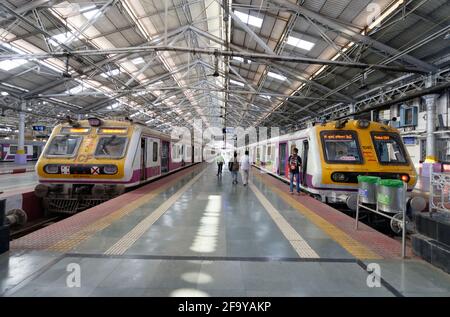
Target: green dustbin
(367, 189)
(390, 195)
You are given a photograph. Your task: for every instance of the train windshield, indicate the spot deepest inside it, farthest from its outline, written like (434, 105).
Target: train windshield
(341, 147)
(389, 148)
(111, 146)
(63, 145)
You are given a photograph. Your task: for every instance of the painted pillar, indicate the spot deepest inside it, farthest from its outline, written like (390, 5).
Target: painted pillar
(21, 156)
(431, 128)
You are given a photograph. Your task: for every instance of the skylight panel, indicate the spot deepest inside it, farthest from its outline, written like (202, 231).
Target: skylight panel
(276, 76)
(74, 90)
(61, 38)
(113, 72)
(304, 45)
(138, 61)
(249, 19)
(91, 14)
(11, 64)
(237, 83)
(88, 8)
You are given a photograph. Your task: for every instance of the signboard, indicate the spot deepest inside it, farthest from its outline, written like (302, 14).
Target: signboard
(38, 128)
(228, 130)
(336, 136)
(409, 140)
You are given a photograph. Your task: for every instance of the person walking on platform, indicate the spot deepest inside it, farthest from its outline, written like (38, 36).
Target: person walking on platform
(294, 162)
(234, 168)
(220, 161)
(245, 168)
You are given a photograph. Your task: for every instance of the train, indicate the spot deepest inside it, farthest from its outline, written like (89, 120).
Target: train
(334, 154)
(87, 162)
(8, 149)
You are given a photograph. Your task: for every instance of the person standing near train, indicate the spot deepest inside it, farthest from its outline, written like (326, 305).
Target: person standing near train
(295, 163)
(245, 168)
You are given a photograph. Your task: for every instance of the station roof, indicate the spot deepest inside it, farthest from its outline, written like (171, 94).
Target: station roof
(230, 63)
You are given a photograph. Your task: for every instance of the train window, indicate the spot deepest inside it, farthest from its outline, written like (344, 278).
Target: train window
(12, 149)
(389, 148)
(111, 146)
(155, 152)
(341, 147)
(63, 145)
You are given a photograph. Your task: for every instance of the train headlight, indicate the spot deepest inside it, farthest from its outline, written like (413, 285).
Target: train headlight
(110, 169)
(51, 169)
(363, 124)
(94, 122)
(338, 177)
(405, 178)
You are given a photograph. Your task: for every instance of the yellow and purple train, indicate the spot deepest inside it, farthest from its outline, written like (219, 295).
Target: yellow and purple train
(90, 161)
(334, 154)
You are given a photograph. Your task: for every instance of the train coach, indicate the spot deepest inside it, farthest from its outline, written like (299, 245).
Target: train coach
(334, 154)
(8, 149)
(90, 161)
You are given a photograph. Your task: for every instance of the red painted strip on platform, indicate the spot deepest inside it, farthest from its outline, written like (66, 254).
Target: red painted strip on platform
(48, 236)
(369, 237)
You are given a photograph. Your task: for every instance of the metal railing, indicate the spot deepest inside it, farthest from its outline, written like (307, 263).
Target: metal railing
(395, 219)
(439, 199)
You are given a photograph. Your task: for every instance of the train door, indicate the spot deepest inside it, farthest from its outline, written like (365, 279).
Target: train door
(35, 152)
(165, 157)
(304, 161)
(282, 159)
(143, 159)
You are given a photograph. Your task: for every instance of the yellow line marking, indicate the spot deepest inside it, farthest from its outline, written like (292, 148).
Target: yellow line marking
(354, 247)
(121, 246)
(300, 246)
(77, 238)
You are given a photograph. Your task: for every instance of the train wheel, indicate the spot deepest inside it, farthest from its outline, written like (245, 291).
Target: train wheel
(397, 226)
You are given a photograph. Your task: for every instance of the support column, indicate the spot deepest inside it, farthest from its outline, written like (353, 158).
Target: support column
(431, 128)
(21, 156)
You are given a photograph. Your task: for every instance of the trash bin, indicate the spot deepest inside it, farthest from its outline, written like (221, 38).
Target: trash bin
(367, 189)
(390, 195)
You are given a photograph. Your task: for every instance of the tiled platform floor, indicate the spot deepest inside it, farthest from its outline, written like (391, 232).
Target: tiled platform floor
(202, 236)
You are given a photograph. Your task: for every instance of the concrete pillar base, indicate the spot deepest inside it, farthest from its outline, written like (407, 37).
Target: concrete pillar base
(437, 167)
(20, 159)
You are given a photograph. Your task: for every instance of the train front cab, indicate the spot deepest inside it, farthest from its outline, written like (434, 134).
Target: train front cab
(358, 147)
(85, 162)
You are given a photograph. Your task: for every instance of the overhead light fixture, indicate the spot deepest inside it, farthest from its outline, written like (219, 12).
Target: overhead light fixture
(303, 44)
(276, 76)
(4, 93)
(249, 19)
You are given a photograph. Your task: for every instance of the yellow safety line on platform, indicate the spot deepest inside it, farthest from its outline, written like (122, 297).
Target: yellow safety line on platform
(77, 238)
(121, 246)
(354, 247)
(300, 246)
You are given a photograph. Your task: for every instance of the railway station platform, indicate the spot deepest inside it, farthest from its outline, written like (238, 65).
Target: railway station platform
(195, 234)
(13, 168)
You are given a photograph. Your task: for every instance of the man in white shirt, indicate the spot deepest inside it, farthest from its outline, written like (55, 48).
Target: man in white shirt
(245, 168)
